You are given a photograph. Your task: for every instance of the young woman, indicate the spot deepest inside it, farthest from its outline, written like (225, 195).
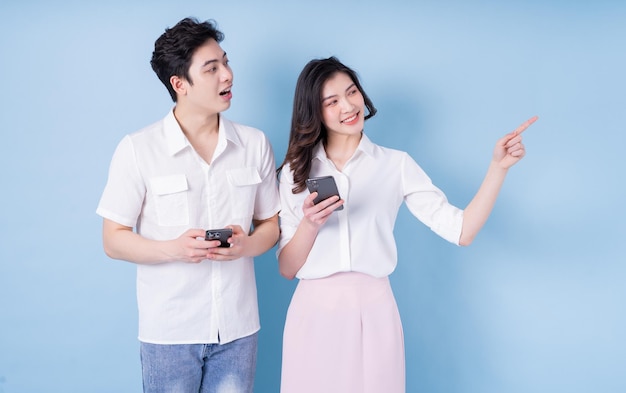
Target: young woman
(343, 331)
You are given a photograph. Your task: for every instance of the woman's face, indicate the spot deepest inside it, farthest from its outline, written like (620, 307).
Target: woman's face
(343, 107)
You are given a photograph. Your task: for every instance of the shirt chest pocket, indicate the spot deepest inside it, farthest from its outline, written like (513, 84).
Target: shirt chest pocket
(243, 184)
(170, 199)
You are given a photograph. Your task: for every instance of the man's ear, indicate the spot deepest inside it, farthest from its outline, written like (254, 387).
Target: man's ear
(179, 85)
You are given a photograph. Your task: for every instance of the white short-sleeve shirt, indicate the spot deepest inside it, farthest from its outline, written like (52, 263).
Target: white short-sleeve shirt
(374, 183)
(159, 185)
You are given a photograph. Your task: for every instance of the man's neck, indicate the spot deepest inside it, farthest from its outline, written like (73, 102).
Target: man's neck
(195, 124)
(201, 131)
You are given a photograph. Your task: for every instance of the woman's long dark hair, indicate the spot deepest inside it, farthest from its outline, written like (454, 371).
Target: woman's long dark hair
(307, 127)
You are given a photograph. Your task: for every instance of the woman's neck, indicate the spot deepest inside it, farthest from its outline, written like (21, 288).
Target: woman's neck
(339, 149)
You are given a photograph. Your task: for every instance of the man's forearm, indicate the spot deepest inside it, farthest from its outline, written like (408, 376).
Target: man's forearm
(122, 243)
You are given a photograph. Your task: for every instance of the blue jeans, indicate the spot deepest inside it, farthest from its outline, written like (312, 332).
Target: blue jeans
(200, 368)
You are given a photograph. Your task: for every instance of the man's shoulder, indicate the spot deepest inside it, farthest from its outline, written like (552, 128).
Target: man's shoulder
(148, 130)
(245, 134)
(239, 127)
(147, 135)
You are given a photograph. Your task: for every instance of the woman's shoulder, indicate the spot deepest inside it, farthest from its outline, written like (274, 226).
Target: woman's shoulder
(285, 175)
(374, 148)
(388, 153)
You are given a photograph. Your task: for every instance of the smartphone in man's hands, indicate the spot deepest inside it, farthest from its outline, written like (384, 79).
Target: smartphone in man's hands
(219, 234)
(325, 186)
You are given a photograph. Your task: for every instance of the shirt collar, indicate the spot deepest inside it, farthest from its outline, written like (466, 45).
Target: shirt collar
(228, 131)
(177, 141)
(365, 145)
(174, 136)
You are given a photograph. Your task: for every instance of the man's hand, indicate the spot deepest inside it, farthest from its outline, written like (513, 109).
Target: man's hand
(244, 244)
(191, 246)
(238, 243)
(120, 242)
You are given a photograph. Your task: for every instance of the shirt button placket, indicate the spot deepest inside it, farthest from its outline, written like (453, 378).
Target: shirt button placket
(211, 202)
(343, 184)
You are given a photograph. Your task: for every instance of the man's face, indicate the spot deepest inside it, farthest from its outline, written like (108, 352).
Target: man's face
(211, 80)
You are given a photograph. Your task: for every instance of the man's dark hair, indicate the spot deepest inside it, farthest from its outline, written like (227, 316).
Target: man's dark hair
(174, 48)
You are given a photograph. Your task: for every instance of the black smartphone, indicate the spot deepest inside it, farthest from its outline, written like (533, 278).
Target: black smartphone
(325, 187)
(219, 234)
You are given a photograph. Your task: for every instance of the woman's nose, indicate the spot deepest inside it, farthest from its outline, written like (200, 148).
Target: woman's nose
(346, 104)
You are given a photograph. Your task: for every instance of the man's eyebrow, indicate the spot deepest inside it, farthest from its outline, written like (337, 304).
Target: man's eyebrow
(206, 63)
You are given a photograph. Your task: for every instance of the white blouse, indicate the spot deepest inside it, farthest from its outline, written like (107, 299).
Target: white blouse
(373, 184)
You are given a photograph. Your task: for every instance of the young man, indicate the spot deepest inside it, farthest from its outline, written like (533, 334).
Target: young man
(192, 171)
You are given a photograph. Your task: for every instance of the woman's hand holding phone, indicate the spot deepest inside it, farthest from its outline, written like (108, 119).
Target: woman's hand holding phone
(317, 213)
(325, 187)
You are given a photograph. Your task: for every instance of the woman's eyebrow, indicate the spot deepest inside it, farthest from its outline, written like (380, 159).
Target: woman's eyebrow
(334, 95)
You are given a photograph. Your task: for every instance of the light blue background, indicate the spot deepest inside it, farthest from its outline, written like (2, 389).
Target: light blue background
(536, 304)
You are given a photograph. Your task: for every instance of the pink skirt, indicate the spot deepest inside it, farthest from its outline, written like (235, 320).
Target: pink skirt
(343, 334)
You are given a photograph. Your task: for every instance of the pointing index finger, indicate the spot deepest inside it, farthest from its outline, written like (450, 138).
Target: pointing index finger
(525, 125)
